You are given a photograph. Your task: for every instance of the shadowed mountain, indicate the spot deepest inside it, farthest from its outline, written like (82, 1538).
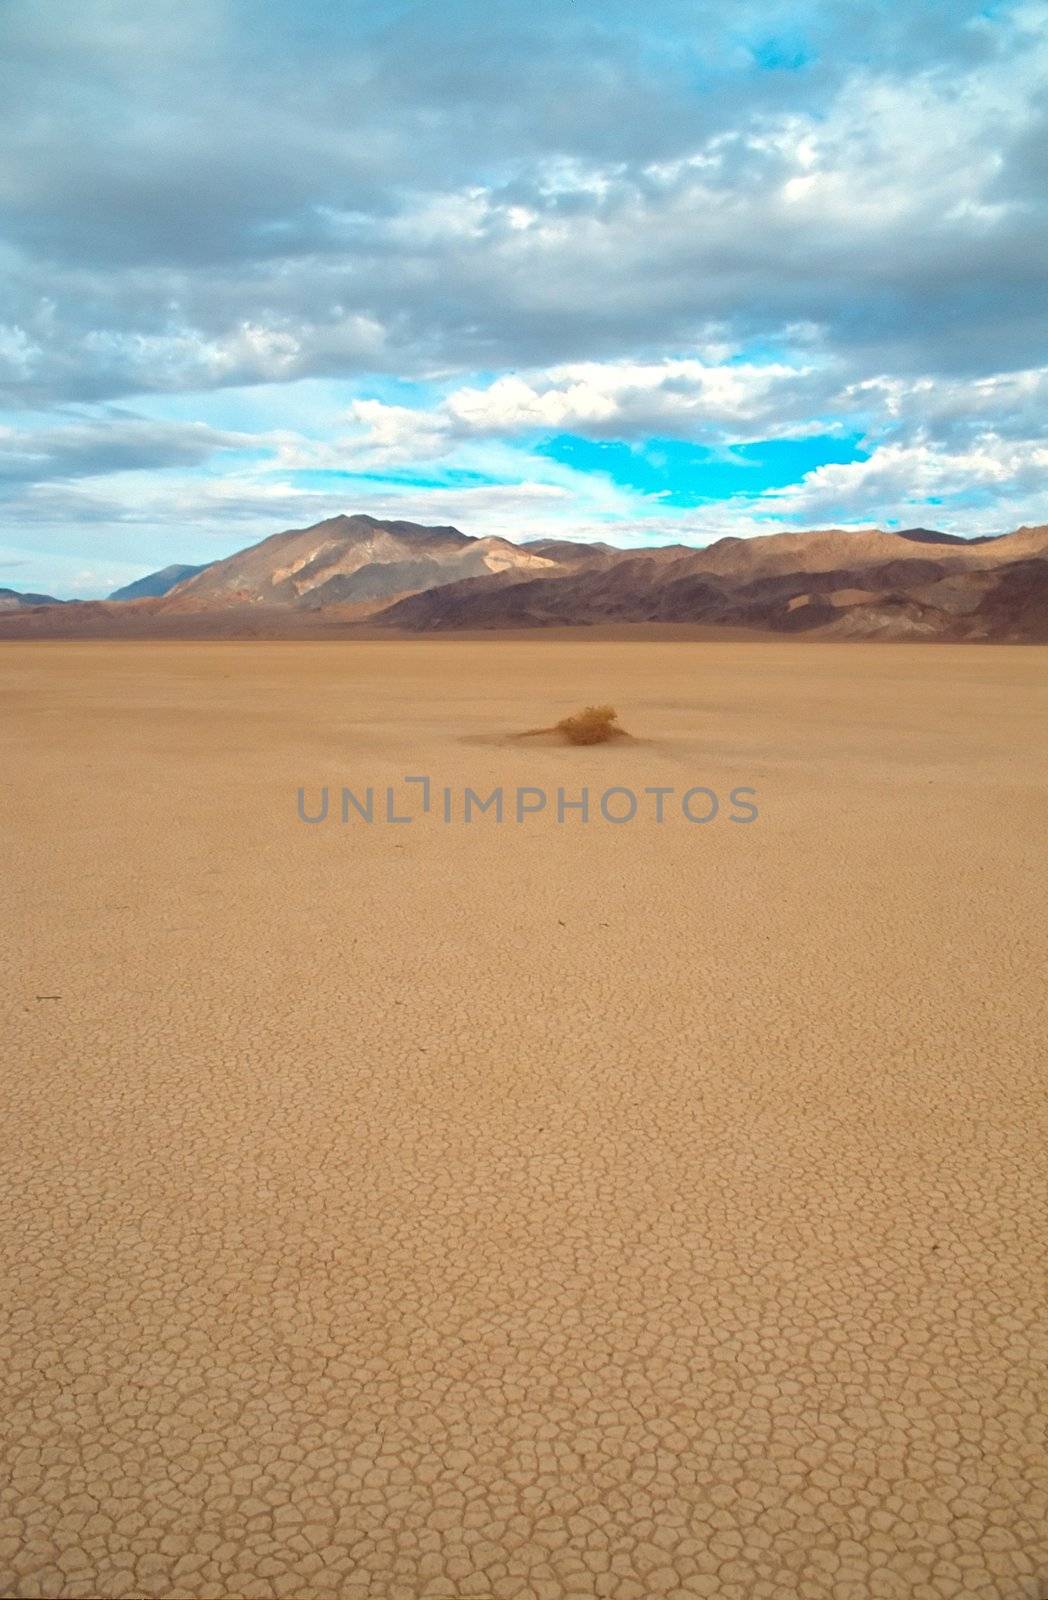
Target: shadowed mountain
(933, 536)
(155, 584)
(866, 584)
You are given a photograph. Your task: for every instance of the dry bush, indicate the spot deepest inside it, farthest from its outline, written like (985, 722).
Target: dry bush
(594, 725)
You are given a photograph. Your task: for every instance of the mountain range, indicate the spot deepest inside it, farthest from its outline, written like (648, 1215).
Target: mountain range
(916, 583)
(13, 600)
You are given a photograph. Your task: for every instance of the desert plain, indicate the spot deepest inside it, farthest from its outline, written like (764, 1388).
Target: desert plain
(524, 1210)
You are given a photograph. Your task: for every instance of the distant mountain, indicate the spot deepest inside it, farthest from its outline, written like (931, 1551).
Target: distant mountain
(576, 550)
(349, 560)
(155, 584)
(916, 583)
(567, 552)
(12, 600)
(933, 536)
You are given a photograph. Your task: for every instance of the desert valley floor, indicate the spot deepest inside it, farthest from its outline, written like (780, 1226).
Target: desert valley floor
(541, 1210)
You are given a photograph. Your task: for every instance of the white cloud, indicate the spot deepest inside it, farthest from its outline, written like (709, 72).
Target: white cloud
(682, 398)
(921, 477)
(672, 398)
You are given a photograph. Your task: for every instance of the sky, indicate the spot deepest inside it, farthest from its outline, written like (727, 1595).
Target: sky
(578, 268)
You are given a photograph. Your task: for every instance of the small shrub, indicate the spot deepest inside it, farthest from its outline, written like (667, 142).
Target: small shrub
(594, 725)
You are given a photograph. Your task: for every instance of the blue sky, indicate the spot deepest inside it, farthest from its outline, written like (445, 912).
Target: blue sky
(640, 274)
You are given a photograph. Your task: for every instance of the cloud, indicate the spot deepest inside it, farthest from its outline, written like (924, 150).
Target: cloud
(669, 399)
(115, 443)
(408, 189)
(1013, 405)
(992, 472)
(477, 226)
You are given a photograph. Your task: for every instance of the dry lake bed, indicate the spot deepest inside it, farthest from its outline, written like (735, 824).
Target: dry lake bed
(538, 1208)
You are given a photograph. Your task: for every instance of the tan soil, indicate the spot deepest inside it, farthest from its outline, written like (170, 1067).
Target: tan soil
(530, 1211)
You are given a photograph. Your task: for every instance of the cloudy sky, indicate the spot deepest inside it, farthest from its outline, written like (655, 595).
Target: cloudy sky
(584, 267)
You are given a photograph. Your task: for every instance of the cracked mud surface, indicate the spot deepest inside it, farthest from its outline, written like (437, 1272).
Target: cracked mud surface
(530, 1212)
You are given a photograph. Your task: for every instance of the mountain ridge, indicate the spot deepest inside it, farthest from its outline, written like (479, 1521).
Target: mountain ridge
(348, 558)
(831, 581)
(15, 599)
(354, 568)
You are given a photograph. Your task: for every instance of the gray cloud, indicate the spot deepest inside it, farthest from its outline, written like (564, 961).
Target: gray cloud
(117, 442)
(224, 191)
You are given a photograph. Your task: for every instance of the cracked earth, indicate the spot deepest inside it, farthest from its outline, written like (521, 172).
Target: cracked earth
(418, 1212)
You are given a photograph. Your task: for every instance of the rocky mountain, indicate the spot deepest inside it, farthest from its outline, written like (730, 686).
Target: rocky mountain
(350, 560)
(155, 584)
(843, 584)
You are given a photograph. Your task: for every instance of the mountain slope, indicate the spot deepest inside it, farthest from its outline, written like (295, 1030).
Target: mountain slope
(348, 559)
(155, 584)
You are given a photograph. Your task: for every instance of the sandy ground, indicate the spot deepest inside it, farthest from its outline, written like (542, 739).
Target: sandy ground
(535, 1210)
